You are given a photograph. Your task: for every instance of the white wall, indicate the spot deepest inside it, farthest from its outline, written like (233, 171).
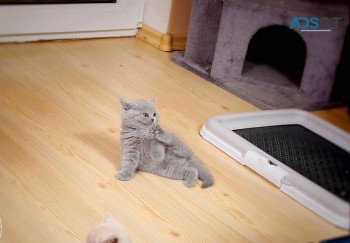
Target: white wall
(60, 21)
(157, 14)
(168, 16)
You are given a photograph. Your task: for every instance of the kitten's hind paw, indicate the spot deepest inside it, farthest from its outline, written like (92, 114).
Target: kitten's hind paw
(157, 156)
(124, 175)
(207, 183)
(191, 177)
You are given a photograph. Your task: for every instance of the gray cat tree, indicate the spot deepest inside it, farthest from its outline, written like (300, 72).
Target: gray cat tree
(220, 33)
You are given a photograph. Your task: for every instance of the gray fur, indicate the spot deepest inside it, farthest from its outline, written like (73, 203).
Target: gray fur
(148, 147)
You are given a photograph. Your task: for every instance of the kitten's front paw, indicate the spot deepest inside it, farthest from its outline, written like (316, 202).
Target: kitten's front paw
(160, 133)
(124, 175)
(154, 130)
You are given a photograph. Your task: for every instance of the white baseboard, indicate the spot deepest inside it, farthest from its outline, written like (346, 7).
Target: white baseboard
(62, 36)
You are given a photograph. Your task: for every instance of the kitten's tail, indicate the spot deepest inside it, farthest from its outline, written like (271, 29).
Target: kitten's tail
(203, 173)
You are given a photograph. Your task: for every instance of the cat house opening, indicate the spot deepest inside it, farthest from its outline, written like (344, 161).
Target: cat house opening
(276, 54)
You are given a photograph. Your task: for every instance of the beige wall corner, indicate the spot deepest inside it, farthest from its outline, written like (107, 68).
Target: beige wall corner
(180, 16)
(162, 41)
(165, 24)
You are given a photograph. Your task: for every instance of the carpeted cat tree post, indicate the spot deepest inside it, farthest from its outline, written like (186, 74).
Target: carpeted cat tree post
(220, 33)
(203, 31)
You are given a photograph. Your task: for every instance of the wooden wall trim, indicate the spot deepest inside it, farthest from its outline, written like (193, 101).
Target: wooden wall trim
(163, 42)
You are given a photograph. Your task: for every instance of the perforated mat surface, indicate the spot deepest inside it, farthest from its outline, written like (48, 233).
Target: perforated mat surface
(304, 151)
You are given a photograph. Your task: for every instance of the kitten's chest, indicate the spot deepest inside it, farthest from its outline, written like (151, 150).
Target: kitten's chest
(144, 145)
(140, 142)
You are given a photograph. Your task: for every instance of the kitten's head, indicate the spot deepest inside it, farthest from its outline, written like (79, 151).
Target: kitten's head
(140, 113)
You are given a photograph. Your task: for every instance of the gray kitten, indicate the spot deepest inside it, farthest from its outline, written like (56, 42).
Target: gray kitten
(148, 147)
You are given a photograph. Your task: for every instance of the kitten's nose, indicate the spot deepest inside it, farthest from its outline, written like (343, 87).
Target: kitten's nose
(152, 119)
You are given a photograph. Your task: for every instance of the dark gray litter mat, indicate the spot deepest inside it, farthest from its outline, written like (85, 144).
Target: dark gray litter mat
(304, 151)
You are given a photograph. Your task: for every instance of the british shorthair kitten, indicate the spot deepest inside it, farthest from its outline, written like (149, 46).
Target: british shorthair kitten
(148, 147)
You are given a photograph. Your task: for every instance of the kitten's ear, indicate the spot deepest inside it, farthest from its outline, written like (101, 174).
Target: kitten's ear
(154, 100)
(126, 105)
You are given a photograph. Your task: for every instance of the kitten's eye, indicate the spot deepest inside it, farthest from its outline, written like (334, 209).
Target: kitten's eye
(145, 114)
(154, 114)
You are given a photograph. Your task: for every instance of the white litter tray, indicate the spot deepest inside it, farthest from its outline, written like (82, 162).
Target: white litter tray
(269, 142)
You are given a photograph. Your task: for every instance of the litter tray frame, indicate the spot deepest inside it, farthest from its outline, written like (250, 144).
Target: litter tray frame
(218, 130)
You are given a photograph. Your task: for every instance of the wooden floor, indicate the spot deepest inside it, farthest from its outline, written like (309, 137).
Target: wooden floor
(60, 150)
